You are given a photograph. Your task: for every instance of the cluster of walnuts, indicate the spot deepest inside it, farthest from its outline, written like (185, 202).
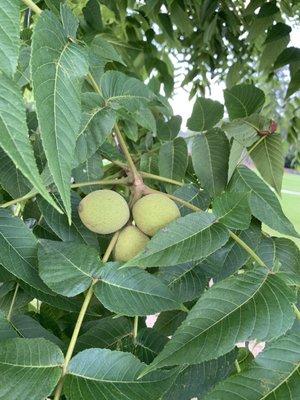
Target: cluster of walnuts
(106, 211)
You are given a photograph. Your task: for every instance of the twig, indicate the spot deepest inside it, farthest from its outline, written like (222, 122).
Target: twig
(31, 194)
(9, 314)
(135, 328)
(30, 4)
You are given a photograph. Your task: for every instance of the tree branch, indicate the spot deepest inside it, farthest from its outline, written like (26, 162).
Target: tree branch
(30, 4)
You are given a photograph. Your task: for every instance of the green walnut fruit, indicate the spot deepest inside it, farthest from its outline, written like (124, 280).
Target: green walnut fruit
(104, 211)
(130, 242)
(153, 212)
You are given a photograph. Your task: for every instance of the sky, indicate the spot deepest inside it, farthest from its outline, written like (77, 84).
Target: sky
(183, 106)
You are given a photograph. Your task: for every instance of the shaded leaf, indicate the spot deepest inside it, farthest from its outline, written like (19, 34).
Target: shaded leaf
(67, 268)
(132, 291)
(6, 330)
(187, 281)
(210, 154)
(105, 333)
(58, 67)
(205, 115)
(290, 55)
(147, 344)
(29, 328)
(29, 368)
(168, 321)
(197, 380)
(11, 178)
(273, 374)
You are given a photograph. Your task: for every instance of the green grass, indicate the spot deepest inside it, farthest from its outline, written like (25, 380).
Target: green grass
(290, 203)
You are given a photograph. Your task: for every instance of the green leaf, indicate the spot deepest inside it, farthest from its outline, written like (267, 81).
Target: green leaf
(7, 291)
(189, 238)
(288, 254)
(29, 328)
(67, 268)
(89, 171)
(53, 299)
(9, 36)
(196, 380)
(173, 160)
(253, 305)
(18, 250)
(105, 333)
(290, 55)
(243, 100)
(22, 75)
(122, 91)
(102, 373)
(11, 178)
(187, 281)
(244, 130)
(29, 368)
(263, 202)
(14, 138)
(237, 152)
(194, 195)
(103, 49)
(274, 374)
(69, 21)
(210, 154)
(59, 224)
(168, 321)
(233, 257)
(205, 115)
(92, 15)
(282, 255)
(96, 124)
(168, 130)
(132, 291)
(57, 67)
(6, 330)
(268, 158)
(276, 41)
(149, 343)
(232, 209)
